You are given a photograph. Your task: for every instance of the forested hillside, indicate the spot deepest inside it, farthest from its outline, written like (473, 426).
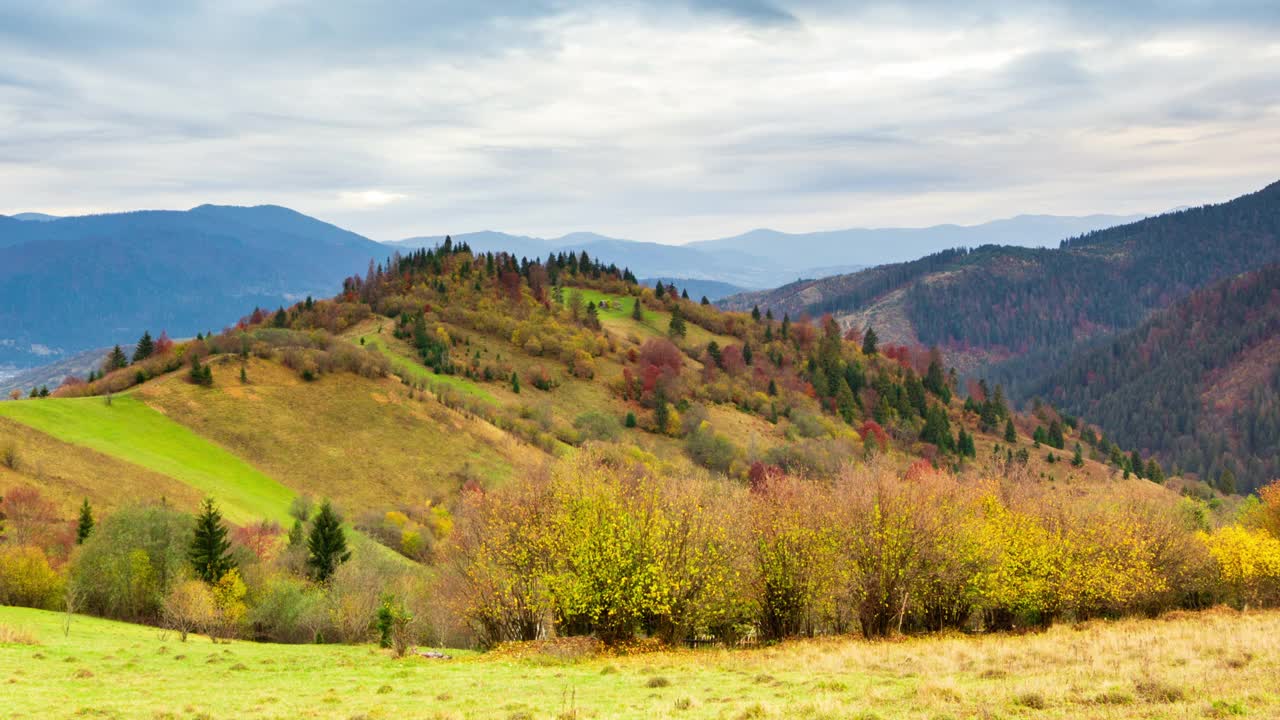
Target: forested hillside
(1198, 383)
(1001, 303)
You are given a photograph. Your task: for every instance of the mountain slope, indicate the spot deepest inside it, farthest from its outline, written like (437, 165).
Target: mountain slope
(83, 282)
(1197, 383)
(995, 303)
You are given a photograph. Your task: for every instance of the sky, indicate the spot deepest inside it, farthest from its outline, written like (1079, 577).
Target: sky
(660, 120)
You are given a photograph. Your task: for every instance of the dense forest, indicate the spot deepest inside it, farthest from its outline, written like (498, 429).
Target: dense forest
(1198, 383)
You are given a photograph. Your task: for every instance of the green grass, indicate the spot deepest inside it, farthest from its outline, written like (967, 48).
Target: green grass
(129, 430)
(617, 317)
(403, 364)
(109, 669)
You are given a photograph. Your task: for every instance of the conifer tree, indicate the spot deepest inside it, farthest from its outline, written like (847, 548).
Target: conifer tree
(296, 534)
(869, 342)
(281, 319)
(786, 325)
(659, 290)
(1078, 458)
(145, 348)
(115, 360)
(1055, 438)
(327, 544)
(1010, 432)
(84, 527)
(755, 313)
(210, 552)
(515, 383)
(1135, 464)
(684, 294)
(705, 301)
(637, 311)
(677, 326)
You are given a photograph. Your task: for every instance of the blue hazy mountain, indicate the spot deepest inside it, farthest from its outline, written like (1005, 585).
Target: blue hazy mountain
(81, 282)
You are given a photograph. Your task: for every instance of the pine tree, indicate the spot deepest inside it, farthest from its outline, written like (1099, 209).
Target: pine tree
(1154, 472)
(244, 376)
(515, 383)
(659, 290)
(705, 301)
(145, 348)
(965, 445)
(281, 319)
(747, 354)
(869, 342)
(786, 325)
(637, 311)
(327, 544)
(593, 316)
(1078, 458)
(935, 381)
(115, 360)
(1136, 464)
(677, 326)
(1055, 438)
(84, 527)
(1010, 432)
(44, 391)
(1227, 482)
(755, 313)
(684, 294)
(210, 553)
(296, 534)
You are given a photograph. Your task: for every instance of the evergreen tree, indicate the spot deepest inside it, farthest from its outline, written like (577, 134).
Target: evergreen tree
(200, 374)
(1227, 482)
(965, 445)
(637, 311)
(659, 290)
(630, 420)
(1154, 472)
(210, 552)
(1055, 438)
(1078, 458)
(869, 342)
(593, 316)
(1010, 432)
(44, 391)
(773, 388)
(84, 527)
(755, 313)
(515, 383)
(327, 544)
(1135, 464)
(747, 354)
(684, 294)
(281, 318)
(786, 325)
(244, 376)
(145, 348)
(661, 413)
(677, 326)
(1039, 436)
(935, 381)
(846, 403)
(705, 301)
(115, 360)
(296, 534)
(937, 429)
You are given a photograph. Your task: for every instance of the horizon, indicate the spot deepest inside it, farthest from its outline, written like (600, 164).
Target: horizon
(668, 120)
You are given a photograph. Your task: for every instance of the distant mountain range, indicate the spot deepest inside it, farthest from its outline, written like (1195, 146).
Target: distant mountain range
(75, 283)
(769, 258)
(68, 284)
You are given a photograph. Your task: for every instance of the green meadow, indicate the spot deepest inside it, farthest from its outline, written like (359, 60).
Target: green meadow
(129, 430)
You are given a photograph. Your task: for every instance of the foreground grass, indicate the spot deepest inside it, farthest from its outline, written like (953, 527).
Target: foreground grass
(1188, 666)
(129, 430)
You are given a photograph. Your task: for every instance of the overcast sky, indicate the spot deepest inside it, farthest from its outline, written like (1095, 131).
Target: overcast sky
(663, 120)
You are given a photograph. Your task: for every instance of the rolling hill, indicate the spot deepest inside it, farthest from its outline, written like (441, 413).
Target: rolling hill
(1197, 383)
(76, 283)
(1027, 308)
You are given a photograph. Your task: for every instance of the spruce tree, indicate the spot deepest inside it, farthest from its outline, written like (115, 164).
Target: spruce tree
(515, 383)
(677, 326)
(281, 319)
(210, 552)
(637, 311)
(869, 342)
(145, 348)
(327, 544)
(1078, 458)
(684, 294)
(1010, 432)
(659, 290)
(755, 313)
(115, 360)
(84, 527)
(1055, 435)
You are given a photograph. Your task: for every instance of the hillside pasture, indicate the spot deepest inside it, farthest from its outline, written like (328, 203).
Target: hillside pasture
(1213, 664)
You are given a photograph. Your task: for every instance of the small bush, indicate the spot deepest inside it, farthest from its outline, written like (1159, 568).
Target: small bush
(1113, 697)
(1033, 700)
(1154, 690)
(657, 681)
(26, 579)
(14, 636)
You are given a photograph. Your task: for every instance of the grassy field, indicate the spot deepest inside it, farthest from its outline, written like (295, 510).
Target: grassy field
(401, 362)
(131, 431)
(1216, 664)
(67, 473)
(359, 441)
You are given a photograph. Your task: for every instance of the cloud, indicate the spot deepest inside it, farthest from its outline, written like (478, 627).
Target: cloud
(369, 198)
(654, 119)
